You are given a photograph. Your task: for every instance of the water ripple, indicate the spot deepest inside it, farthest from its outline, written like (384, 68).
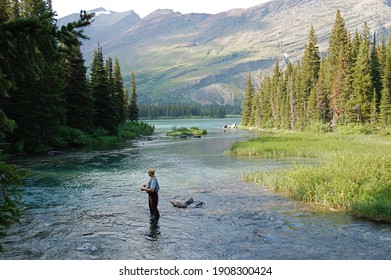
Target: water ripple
(88, 205)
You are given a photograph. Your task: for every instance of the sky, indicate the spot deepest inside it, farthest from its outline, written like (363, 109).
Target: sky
(145, 7)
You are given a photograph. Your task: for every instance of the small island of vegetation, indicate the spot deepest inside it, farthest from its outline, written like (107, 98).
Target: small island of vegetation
(187, 132)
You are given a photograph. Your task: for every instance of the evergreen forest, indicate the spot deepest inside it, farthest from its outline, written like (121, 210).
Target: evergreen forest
(47, 98)
(349, 86)
(152, 111)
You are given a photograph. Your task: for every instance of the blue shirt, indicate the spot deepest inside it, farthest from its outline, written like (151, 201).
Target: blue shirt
(153, 184)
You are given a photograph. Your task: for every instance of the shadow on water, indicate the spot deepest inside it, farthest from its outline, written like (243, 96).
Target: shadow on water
(87, 204)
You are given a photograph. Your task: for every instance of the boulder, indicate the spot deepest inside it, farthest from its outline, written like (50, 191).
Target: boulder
(185, 202)
(181, 202)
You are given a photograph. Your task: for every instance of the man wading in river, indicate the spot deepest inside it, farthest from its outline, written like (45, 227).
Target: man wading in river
(152, 188)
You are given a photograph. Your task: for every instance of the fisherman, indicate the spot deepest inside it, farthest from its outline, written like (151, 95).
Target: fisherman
(152, 188)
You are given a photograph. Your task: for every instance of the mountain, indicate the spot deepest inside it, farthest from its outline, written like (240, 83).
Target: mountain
(205, 58)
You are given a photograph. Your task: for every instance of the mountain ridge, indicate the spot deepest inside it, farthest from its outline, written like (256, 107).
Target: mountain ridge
(204, 58)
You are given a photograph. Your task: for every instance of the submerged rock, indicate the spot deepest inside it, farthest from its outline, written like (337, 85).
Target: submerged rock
(186, 202)
(196, 204)
(181, 202)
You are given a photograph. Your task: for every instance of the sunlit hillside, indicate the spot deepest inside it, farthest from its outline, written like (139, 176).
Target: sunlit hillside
(204, 58)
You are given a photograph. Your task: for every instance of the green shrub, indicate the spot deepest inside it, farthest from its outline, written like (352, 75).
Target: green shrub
(10, 179)
(356, 129)
(70, 137)
(318, 127)
(132, 130)
(99, 132)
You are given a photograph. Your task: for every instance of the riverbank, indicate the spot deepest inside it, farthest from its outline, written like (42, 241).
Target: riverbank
(130, 130)
(90, 200)
(353, 174)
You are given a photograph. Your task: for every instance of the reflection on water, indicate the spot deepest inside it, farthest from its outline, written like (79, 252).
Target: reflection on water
(154, 232)
(87, 204)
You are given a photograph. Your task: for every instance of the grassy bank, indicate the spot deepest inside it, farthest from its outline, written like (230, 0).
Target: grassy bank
(355, 173)
(127, 130)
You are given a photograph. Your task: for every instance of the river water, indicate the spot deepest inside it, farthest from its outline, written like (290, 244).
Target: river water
(86, 204)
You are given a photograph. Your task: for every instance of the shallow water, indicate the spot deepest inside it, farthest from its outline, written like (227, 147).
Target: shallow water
(87, 204)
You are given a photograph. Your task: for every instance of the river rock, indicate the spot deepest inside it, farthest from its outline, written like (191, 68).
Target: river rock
(186, 202)
(196, 204)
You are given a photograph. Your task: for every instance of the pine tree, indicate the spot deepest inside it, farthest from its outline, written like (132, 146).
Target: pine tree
(311, 61)
(301, 98)
(374, 110)
(256, 110)
(322, 111)
(347, 82)
(336, 91)
(355, 47)
(105, 116)
(114, 106)
(10, 179)
(5, 52)
(385, 102)
(266, 120)
(375, 71)
(5, 11)
(247, 101)
(311, 66)
(133, 109)
(281, 102)
(120, 95)
(79, 101)
(337, 43)
(362, 82)
(382, 53)
(275, 93)
(285, 101)
(289, 85)
(109, 68)
(337, 38)
(36, 103)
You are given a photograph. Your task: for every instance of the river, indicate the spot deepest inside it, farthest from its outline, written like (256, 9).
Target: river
(87, 204)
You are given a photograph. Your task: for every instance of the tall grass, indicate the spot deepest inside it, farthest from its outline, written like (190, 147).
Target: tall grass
(355, 174)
